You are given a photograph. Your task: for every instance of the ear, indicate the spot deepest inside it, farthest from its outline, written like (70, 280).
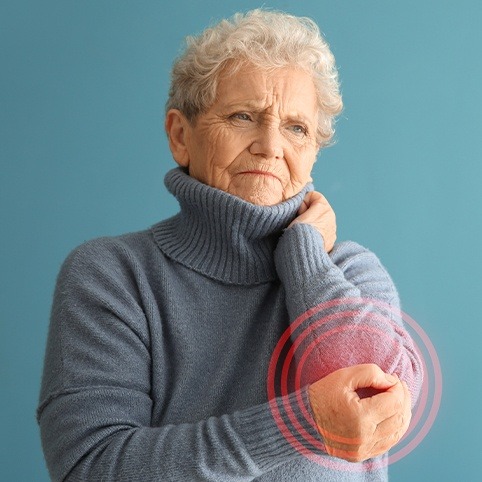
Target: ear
(177, 126)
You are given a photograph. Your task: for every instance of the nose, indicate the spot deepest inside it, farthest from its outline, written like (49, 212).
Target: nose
(268, 143)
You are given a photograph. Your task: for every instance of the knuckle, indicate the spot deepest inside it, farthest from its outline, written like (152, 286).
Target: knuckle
(395, 437)
(373, 368)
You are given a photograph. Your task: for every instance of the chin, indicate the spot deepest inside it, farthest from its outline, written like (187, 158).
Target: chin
(261, 198)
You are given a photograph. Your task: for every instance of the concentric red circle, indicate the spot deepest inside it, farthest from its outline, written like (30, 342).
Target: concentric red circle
(321, 316)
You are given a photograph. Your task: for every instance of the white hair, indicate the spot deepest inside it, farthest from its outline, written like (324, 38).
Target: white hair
(267, 39)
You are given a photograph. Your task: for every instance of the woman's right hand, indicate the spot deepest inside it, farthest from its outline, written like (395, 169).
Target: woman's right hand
(354, 428)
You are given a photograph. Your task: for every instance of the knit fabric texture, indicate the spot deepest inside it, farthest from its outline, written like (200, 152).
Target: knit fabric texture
(160, 341)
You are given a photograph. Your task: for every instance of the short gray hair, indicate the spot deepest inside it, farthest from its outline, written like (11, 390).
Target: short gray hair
(267, 39)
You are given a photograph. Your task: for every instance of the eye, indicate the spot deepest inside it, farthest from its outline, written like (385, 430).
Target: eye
(298, 129)
(243, 116)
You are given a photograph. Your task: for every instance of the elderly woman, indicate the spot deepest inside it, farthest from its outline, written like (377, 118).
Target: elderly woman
(161, 342)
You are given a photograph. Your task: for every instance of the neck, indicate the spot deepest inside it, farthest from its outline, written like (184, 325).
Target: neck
(223, 236)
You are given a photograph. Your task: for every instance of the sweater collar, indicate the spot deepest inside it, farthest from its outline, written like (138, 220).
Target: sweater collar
(221, 235)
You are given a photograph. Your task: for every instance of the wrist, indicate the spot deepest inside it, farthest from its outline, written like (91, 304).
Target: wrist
(300, 255)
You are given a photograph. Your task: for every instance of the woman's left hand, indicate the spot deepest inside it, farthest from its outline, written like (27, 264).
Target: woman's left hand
(316, 211)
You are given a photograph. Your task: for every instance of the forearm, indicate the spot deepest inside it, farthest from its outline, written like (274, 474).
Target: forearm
(104, 434)
(356, 313)
(311, 276)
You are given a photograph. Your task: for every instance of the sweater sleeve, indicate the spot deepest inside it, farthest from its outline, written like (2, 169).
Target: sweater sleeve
(353, 303)
(95, 403)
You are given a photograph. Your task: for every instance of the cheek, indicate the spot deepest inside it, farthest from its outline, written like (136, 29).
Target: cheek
(223, 147)
(300, 164)
(204, 150)
(215, 151)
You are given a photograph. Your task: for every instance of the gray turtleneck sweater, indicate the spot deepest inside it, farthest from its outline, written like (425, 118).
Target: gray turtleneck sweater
(158, 357)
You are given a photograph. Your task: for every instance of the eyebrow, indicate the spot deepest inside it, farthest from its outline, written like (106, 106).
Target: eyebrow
(257, 106)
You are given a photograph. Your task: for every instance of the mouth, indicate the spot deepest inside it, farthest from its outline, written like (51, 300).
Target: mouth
(260, 173)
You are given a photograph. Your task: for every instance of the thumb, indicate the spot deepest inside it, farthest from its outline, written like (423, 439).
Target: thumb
(371, 375)
(303, 207)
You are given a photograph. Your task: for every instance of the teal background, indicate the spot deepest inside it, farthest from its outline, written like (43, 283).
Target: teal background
(83, 154)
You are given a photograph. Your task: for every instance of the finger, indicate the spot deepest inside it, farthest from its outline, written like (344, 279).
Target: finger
(394, 424)
(312, 199)
(371, 375)
(319, 202)
(306, 203)
(390, 432)
(318, 197)
(315, 197)
(385, 404)
(384, 444)
(303, 207)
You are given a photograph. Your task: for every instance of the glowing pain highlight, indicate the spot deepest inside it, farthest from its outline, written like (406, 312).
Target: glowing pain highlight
(295, 429)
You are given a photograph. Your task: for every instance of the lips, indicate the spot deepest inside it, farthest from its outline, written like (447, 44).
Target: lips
(260, 173)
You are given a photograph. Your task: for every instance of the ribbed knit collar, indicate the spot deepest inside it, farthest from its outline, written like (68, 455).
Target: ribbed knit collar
(220, 235)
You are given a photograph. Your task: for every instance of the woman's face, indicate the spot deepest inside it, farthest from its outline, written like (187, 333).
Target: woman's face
(258, 140)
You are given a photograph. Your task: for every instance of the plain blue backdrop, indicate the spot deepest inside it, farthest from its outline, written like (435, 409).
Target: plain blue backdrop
(83, 154)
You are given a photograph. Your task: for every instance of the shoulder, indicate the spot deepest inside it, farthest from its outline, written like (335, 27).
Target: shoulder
(115, 254)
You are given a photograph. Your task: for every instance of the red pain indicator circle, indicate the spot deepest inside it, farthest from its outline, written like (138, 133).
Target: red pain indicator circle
(346, 332)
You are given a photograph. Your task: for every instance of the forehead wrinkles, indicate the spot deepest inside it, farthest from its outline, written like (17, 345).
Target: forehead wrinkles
(289, 92)
(266, 91)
